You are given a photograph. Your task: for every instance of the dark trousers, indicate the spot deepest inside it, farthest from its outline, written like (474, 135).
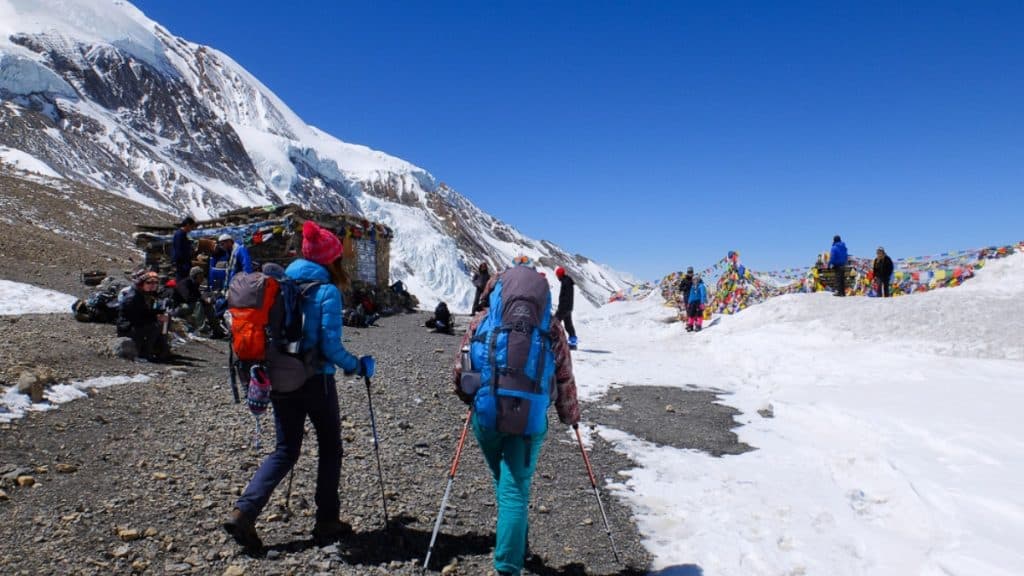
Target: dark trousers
(150, 341)
(840, 273)
(318, 399)
(566, 318)
(884, 290)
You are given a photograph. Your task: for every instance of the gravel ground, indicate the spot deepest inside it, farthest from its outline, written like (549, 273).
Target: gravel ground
(140, 476)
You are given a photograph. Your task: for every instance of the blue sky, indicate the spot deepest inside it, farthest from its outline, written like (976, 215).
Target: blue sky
(655, 135)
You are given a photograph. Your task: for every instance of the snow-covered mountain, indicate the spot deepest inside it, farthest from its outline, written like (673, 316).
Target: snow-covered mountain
(100, 94)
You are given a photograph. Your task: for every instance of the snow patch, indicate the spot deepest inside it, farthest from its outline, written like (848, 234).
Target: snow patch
(18, 298)
(14, 405)
(26, 162)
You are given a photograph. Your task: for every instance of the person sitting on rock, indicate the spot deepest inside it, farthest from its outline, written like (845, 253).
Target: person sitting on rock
(143, 317)
(442, 320)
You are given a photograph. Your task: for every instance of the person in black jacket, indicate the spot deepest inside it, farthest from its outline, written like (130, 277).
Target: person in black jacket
(684, 287)
(442, 320)
(480, 278)
(565, 298)
(883, 272)
(143, 316)
(181, 249)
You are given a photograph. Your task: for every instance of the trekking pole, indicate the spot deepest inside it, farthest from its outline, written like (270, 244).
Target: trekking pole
(376, 449)
(593, 482)
(231, 374)
(256, 434)
(448, 488)
(288, 494)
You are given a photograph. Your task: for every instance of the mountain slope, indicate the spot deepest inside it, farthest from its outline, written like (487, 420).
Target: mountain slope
(107, 97)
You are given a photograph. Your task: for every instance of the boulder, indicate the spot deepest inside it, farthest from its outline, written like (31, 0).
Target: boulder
(121, 348)
(32, 382)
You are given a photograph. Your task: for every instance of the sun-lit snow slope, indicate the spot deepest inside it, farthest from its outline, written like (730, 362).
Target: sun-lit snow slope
(896, 445)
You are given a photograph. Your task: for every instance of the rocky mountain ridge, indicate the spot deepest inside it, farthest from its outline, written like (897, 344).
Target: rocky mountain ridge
(105, 97)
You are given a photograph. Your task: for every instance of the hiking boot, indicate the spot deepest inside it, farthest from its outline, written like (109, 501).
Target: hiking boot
(696, 329)
(328, 531)
(689, 328)
(243, 529)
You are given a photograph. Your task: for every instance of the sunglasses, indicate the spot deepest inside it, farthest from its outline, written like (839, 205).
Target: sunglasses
(151, 282)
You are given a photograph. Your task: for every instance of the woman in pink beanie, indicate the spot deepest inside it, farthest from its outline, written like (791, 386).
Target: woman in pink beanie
(317, 399)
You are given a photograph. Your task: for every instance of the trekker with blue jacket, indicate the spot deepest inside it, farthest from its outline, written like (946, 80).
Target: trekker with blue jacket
(837, 262)
(695, 305)
(317, 398)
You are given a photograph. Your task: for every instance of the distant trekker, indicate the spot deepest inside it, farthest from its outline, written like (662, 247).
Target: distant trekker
(181, 248)
(837, 262)
(882, 269)
(238, 257)
(480, 278)
(695, 303)
(684, 287)
(565, 302)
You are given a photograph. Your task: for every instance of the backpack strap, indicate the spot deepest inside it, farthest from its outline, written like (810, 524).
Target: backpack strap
(545, 344)
(492, 358)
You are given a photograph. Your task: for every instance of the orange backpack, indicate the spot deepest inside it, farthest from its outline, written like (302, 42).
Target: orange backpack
(250, 297)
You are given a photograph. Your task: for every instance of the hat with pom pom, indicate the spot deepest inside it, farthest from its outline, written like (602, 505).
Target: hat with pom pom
(319, 245)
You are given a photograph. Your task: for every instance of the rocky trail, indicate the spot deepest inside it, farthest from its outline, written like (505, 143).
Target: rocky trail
(139, 477)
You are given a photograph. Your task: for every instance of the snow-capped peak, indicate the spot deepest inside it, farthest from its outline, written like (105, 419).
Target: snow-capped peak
(113, 99)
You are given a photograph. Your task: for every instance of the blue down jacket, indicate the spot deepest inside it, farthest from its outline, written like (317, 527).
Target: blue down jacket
(698, 293)
(322, 315)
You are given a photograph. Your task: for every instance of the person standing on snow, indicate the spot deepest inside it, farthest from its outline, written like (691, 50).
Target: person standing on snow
(837, 262)
(695, 303)
(181, 249)
(511, 455)
(882, 269)
(684, 287)
(317, 399)
(565, 301)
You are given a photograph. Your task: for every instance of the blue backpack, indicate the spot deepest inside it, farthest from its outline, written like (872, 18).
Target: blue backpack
(511, 351)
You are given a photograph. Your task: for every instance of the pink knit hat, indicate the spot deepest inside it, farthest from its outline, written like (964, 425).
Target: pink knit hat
(319, 245)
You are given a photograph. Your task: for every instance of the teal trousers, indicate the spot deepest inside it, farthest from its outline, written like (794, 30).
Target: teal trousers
(512, 460)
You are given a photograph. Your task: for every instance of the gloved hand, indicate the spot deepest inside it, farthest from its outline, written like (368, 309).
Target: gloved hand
(367, 366)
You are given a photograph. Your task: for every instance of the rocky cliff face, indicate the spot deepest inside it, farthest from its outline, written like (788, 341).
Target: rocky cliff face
(182, 128)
